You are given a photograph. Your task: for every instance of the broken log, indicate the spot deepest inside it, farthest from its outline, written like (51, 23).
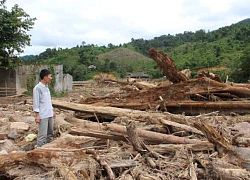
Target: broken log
(45, 158)
(118, 132)
(134, 138)
(157, 118)
(97, 129)
(165, 148)
(144, 85)
(61, 125)
(88, 128)
(101, 134)
(223, 147)
(81, 123)
(192, 107)
(213, 86)
(155, 137)
(206, 89)
(68, 141)
(210, 75)
(226, 170)
(8, 160)
(166, 64)
(103, 163)
(178, 118)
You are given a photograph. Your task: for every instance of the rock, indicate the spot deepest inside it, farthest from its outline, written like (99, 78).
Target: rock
(3, 152)
(28, 119)
(14, 118)
(19, 126)
(7, 113)
(4, 120)
(27, 113)
(8, 146)
(2, 136)
(242, 128)
(13, 134)
(30, 137)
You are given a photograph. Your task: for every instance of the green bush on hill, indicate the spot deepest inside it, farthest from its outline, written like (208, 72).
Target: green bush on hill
(228, 46)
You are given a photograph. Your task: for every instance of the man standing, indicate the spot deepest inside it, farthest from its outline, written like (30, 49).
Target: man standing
(43, 109)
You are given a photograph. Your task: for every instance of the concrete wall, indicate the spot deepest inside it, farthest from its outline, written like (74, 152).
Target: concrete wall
(58, 77)
(27, 76)
(67, 82)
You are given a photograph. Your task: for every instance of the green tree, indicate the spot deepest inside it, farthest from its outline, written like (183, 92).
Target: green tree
(80, 72)
(242, 74)
(14, 25)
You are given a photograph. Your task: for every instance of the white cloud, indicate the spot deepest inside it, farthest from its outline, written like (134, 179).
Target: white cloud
(66, 23)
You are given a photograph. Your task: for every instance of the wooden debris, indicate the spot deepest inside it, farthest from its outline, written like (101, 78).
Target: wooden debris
(61, 125)
(103, 163)
(46, 158)
(66, 173)
(164, 148)
(166, 64)
(228, 171)
(149, 136)
(189, 96)
(222, 146)
(210, 75)
(157, 118)
(138, 144)
(134, 138)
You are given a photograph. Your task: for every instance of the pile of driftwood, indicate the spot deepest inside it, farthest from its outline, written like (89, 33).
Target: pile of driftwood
(136, 135)
(136, 145)
(192, 96)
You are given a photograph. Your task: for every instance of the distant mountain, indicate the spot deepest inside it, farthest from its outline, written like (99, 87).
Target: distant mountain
(121, 54)
(245, 21)
(27, 56)
(223, 47)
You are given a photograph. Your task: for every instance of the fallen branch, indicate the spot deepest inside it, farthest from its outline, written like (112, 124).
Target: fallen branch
(225, 150)
(103, 163)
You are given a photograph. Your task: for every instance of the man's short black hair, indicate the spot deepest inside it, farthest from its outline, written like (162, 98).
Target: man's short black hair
(44, 72)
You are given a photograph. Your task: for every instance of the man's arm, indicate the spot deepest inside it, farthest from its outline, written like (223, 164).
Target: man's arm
(36, 104)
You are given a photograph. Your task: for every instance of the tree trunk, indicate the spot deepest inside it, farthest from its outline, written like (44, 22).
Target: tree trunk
(225, 150)
(118, 132)
(156, 118)
(166, 64)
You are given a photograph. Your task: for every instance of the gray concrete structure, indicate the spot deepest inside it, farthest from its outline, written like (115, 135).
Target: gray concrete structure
(67, 82)
(25, 77)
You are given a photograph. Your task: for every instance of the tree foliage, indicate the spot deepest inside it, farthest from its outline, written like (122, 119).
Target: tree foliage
(226, 47)
(242, 71)
(14, 25)
(201, 49)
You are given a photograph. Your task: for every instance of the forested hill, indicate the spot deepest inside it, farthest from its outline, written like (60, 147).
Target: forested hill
(227, 47)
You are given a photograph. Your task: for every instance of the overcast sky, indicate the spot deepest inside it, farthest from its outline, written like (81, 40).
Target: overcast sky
(66, 23)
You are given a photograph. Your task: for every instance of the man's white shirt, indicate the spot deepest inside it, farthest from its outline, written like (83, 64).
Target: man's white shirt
(42, 101)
